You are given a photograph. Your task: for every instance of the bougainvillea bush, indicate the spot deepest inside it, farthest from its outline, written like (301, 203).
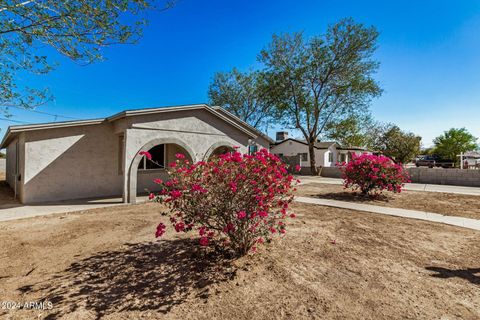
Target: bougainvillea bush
(236, 200)
(373, 174)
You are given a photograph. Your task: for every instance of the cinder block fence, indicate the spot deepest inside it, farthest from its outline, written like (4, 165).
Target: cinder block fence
(455, 177)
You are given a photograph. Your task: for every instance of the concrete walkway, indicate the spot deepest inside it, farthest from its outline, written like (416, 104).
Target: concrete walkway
(473, 191)
(413, 214)
(14, 212)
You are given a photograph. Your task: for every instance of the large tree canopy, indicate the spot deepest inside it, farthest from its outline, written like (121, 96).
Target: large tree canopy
(78, 30)
(351, 131)
(313, 82)
(453, 142)
(241, 93)
(399, 145)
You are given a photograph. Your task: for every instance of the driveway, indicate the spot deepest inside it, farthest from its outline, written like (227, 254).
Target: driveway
(13, 211)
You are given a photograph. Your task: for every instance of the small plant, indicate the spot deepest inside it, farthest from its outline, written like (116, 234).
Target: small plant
(235, 200)
(373, 174)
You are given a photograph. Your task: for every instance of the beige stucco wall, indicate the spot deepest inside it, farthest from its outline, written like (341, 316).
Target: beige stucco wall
(198, 131)
(92, 160)
(11, 163)
(292, 148)
(71, 163)
(12, 173)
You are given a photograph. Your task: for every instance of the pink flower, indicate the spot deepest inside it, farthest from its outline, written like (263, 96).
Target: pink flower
(241, 215)
(198, 188)
(179, 156)
(172, 164)
(233, 186)
(175, 194)
(204, 241)
(160, 230)
(202, 231)
(158, 181)
(298, 168)
(146, 154)
(229, 227)
(263, 214)
(292, 215)
(151, 196)
(180, 227)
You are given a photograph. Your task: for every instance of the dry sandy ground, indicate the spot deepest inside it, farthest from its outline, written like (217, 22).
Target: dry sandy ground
(437, 202)
(105, 263)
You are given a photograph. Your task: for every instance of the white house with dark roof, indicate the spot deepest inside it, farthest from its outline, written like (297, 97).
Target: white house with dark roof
(100, 157)
(327, 154)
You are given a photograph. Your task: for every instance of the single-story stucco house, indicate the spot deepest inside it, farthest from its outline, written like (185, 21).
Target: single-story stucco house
(100, 157)
(327, 154)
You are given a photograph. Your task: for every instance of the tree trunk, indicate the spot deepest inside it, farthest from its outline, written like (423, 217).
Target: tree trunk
(313, 164)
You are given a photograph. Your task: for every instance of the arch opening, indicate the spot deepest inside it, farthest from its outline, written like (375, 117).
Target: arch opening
(220, 150)
(143, 171)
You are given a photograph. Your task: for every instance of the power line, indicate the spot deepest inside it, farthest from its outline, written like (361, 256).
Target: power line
(10, 120)
(45, 113)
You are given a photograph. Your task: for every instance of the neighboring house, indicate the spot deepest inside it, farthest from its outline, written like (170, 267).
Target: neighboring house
(472, 159)
(327, 154)
(100, 157)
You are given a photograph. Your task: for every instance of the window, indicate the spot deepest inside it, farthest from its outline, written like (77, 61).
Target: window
(342, 157)
(252, 149)
(330, 157)
(158, 159)
(303, 156)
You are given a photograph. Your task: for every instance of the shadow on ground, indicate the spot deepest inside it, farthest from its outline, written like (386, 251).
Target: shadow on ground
(149, 276)
(467, 274)
(351, 197)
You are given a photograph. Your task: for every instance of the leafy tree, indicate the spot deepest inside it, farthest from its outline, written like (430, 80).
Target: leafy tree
(401, 146)
(241, 93)
(316, 81)
(78, 30)
(351, 131)
(453, 142)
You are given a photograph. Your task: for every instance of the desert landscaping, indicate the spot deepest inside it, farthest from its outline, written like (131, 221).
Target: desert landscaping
(332, 263)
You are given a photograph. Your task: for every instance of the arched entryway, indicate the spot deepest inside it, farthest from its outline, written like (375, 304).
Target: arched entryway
(219, 148)
(143, 171)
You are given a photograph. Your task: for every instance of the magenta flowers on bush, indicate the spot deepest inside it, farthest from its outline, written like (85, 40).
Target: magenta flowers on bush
(236, 200)
(373, 174)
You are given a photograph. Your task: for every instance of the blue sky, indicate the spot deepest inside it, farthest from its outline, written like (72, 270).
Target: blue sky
(429, 53)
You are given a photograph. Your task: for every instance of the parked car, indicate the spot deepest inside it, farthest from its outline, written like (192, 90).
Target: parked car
(434, 161)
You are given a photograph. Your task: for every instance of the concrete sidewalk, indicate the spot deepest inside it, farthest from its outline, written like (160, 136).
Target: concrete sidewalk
(14, 212)
(397, 212)
(473, 191)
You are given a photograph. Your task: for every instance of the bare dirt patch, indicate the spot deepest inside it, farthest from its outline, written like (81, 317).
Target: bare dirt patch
(104, 263)
(437, 202)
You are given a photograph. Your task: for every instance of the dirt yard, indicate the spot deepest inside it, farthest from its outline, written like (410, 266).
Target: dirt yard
(105, 263)
(443, 203)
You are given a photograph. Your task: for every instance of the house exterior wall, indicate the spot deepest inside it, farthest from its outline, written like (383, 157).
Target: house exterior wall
(199, 132)
(11, 163)
(293, 148)
(97, 160)
(14, 168)
(71, 163)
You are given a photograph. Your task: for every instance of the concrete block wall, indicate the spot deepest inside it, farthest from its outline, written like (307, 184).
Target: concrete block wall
(331, 172)
(456, 177)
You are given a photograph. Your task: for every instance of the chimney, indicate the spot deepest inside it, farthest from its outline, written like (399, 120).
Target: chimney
(282, 135)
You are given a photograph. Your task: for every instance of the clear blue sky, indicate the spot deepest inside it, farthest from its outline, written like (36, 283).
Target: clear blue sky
(429, 53)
